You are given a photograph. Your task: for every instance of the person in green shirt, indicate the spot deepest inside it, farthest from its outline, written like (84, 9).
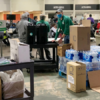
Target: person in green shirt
(64, 23)
(42, 21)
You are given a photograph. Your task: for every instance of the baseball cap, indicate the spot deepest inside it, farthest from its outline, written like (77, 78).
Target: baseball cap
(59, 10)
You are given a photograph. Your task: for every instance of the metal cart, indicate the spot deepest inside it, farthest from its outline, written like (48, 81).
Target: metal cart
(47, 64)
(27, 95)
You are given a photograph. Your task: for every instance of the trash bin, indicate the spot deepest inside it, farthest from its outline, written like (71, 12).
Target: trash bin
(97, 36)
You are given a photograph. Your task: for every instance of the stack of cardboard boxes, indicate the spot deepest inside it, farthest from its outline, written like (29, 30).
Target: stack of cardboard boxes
(80, 41)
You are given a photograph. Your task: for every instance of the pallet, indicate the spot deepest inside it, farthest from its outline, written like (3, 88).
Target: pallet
(61, 74)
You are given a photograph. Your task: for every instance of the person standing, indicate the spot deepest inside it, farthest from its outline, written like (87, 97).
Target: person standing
(90, 18)
(42, 21)
(64, 23)
(35, 20)
(29, 19)
(75, 20)
(21, 28)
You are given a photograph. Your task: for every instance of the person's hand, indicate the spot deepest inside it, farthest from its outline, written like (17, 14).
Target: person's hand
(60, 41)
(53, 40)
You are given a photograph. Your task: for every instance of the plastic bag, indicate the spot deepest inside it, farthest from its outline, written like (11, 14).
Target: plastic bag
(12, 85)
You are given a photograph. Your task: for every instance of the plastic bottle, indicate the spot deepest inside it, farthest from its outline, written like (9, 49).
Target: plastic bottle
(94, 55)
(75, 57)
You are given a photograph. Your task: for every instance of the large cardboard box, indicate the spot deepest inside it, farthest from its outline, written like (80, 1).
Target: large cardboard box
(62, 48)
(86, 23)
(80, 37)
(94, 80)
(19, 52)
(0, 90)
(76, 76)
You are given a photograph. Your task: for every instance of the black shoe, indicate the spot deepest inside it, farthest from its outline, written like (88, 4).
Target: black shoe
(41, 58)
(31, 56)
(49, 58)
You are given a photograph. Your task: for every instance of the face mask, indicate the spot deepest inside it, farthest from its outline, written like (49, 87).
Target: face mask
(59, 15)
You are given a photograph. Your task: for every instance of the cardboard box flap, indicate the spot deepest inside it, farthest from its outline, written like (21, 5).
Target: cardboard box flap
(80, 63)
(96, 89)
(23, 44)
(94, 79)
(86, 23)
(14, 41)
(74, 63)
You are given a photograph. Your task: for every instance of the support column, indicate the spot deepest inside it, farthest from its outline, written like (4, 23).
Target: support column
(74, 9)
(43, 7)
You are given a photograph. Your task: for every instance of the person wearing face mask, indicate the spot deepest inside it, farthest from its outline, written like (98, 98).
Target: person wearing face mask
(42, 21)
(64, 23)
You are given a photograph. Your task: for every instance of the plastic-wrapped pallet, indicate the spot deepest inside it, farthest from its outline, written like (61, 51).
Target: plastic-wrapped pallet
(73, 55)
(63, 66)
(90, 56)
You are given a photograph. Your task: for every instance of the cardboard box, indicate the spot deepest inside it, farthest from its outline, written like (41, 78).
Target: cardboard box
(86, 23)
(0, 90)
(19, 52)
(76, 76)
(62, 48)
(94, 80)
(80, 37)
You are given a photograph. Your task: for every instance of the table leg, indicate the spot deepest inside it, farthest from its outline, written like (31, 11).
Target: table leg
(32, 82)
(57, 59)
(53, 55)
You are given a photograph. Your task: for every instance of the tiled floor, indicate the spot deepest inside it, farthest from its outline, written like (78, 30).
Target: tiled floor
(49, 86)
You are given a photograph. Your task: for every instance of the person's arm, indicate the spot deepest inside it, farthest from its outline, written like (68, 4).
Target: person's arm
(68, 22)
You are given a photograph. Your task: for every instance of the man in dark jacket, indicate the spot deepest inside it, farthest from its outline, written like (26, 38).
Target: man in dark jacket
(35, 20)
(42, 21)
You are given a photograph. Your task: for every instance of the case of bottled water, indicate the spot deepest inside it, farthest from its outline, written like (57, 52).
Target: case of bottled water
(72, 55)
(90, 56)
(61, 60)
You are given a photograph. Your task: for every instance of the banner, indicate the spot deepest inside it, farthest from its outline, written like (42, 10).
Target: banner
(57, 6)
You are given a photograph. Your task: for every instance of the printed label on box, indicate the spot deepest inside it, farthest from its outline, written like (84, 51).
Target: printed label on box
(70, 79)
(68, 85)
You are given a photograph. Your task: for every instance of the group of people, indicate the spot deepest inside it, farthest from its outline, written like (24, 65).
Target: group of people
(75, 20)
(62, 26)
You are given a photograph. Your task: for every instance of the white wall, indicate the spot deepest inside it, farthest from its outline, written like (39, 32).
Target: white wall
(59, 1)
(4, 5)
(87, 1)
(21, 5)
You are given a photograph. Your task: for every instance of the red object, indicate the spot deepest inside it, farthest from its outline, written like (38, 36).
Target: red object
(31, 16)
(60, 35)
(98, 25)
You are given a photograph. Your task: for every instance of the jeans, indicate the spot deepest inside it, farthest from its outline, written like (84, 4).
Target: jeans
(66, 39)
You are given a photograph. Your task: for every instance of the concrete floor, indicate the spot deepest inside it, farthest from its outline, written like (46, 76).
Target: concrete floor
(49, 86)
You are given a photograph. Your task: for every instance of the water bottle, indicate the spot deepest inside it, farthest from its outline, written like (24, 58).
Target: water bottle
(75, 57)
(95, 56)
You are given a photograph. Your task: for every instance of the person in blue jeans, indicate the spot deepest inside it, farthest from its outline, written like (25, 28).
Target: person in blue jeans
(64, 23)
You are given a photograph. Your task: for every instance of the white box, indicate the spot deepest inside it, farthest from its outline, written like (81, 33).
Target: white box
(19, 52)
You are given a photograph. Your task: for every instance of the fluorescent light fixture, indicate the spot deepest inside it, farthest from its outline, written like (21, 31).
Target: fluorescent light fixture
(1, 11)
